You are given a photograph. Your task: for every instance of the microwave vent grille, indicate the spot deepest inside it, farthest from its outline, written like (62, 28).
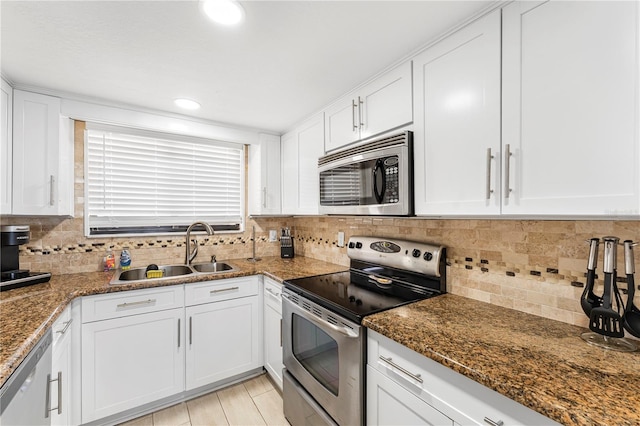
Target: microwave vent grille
(399, 139)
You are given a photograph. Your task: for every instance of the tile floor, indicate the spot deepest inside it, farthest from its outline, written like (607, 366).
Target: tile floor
(254, 402)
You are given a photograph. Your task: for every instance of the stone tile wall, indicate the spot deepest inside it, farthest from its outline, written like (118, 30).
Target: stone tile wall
(532, 266)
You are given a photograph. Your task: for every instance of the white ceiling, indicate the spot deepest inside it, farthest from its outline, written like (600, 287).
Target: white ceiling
(287, 60)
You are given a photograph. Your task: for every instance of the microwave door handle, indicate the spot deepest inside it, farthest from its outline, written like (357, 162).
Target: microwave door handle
(379, 192)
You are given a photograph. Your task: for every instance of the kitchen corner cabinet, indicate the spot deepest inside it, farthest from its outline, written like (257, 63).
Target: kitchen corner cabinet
(6, 147)
(43, 161)
(570, 108)
(223, 330)
(273, 330)
(264, 176)
(132, 349)
(457, 122)
(379, 106)
(404, 387)
(301, 149)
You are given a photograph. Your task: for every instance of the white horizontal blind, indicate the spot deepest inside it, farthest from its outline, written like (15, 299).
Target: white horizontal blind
(137, 180)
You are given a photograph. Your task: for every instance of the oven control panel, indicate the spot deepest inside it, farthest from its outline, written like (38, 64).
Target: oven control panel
(425, 258)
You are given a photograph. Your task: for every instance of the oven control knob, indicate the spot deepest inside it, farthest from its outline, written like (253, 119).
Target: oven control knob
(415, 253)
(358, 245)
(352, 299)
(358, 302)
(428, 256)
(351, 245)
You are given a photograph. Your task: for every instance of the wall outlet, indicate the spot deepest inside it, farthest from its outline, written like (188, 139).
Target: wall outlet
(340, 239)
(273, 235)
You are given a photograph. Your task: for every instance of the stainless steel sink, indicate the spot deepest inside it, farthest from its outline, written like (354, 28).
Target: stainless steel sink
(170, 271)
(212, 267)
(139, 274)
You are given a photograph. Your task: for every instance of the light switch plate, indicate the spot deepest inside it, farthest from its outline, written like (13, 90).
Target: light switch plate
(273, 235)
(340, 239)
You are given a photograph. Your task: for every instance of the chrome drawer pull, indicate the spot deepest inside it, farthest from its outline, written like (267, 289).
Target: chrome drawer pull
(48, 408)
(142, 302)
(273, 293)
(492, 422)
(66, 326)
(416, 377)
(223, 289)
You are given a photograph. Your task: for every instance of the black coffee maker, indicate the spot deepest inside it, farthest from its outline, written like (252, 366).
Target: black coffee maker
(12, 276)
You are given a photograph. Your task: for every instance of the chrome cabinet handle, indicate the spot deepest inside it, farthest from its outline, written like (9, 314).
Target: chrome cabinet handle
(178, 332)
(389, 361)
(264, 197)
(223, 289)
(48, 408)
(280, 332)
(493, 422)
(353, 115)
(489, 158)
(360, 109)
(142, 302)
(52, 195)
(190, 330)
(66, 326)
(507, 158)
(273, 293)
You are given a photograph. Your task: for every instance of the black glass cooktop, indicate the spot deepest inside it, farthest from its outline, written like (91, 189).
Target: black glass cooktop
(355, 294)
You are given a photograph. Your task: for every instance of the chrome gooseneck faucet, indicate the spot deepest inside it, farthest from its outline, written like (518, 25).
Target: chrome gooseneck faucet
(189, 255)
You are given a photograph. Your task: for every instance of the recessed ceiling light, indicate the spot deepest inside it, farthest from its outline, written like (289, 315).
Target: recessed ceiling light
(225, 12)
(187, 104)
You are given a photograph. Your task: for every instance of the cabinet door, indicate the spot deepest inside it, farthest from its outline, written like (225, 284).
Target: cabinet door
(6, 142)
(341, 124)
(36, 144)
(61, 370)
(273, 330)
(130, 361)
(457, 122)
(570, 108)
(264, 176)
(385, 103)
(223, 339)
(390, 404)
(301, 149)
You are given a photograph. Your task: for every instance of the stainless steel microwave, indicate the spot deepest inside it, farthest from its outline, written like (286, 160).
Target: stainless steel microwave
(375, 178)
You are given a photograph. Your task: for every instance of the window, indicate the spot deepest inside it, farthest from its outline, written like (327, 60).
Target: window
(138, 182)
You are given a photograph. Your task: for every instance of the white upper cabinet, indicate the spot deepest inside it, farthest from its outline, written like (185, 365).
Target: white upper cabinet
(379, 106)
(42, 157)
(264, 176)
(301, 149)
(6, 142)
(570, 108)
(457, 122)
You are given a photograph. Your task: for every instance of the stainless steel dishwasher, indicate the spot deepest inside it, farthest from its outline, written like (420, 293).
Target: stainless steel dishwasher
(25, 397)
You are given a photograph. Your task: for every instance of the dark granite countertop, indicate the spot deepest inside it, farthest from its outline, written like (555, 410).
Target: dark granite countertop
(540, 363)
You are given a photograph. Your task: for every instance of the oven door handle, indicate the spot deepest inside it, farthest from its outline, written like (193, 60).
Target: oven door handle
(320, 323)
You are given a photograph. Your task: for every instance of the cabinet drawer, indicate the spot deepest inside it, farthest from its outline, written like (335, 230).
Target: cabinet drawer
(214, 291)
(273, 294)
(121, 304)
(456, 396)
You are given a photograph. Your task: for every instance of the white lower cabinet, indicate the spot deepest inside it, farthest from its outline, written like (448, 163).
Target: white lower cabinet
(64, 381)
(131, 361)
(224, 336)
(273, 330)
(406, 388)
(388, 403)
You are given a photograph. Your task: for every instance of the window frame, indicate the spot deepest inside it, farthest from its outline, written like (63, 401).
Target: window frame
(180, 230)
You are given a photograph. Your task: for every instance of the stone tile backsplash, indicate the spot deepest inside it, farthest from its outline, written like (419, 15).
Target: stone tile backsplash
(530, 265)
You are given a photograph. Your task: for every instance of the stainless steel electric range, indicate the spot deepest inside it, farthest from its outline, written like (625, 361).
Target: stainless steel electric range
(324, 342)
